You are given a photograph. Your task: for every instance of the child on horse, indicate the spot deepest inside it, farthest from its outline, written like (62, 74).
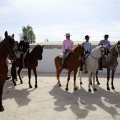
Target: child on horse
(108, 46)
(23, 47)
(66, 47)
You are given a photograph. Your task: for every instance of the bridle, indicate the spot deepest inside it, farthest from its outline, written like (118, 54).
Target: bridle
(102, 49)
(118, 50)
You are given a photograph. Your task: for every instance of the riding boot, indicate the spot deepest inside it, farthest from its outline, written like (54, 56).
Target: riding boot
(64, 60)
(21, 59)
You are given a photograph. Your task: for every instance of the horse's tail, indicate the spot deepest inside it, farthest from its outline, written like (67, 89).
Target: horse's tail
(56, 60)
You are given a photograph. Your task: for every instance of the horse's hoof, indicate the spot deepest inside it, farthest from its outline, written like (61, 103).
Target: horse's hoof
(89, 90)
(59, 85)
(113, 87)
(108, 88)
(21, 82)
(30, 86)
(35, 86)
(1, 109)
(95, 89)
(80, 83)
(98, 83)
(75, 88)
(14, 84)
(66, 89)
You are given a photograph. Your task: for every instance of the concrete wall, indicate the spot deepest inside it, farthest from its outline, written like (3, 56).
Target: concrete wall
(47, 63)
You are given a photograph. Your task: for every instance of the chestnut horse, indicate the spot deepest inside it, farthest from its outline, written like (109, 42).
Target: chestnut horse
(72, 64)
(6, 50)
(31, 62)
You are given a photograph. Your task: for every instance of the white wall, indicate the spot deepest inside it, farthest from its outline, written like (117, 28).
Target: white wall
(47, 63)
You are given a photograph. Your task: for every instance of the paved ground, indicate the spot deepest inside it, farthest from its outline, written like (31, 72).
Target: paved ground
(50, 102)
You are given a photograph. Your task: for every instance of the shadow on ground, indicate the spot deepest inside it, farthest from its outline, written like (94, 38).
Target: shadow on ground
(81, 102)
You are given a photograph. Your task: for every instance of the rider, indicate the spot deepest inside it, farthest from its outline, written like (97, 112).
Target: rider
(107, 45)
(23, 47)
(87, 47)
(67, 45)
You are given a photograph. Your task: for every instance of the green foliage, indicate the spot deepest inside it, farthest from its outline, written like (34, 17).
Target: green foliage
(28, 31)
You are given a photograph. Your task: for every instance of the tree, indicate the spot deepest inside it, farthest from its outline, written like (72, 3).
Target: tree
(29, 32)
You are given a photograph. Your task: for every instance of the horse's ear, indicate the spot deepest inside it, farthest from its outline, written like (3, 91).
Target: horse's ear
(118, 42)
(6, 33)
(12, 35)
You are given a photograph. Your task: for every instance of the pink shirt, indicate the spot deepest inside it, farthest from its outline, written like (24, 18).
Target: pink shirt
(67, 44)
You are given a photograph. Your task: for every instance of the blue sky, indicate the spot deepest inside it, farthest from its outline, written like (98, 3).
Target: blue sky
(51, 19)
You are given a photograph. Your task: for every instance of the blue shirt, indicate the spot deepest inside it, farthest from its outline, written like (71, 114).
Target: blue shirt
(106, 43)
(87, 46)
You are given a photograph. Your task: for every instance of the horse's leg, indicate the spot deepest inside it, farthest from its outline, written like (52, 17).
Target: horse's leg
(58, 71)
(112, 77)
(108, 77)
(75, 72)
(69, 72)
(1, 92)
(35, 73)
(13, 73)
(80, 77)
(94, 82)
(19, 70)
(29, 76)
(98, 83)
(89, 80)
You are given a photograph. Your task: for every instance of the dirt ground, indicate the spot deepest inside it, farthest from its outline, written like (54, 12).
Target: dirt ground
(51, 102)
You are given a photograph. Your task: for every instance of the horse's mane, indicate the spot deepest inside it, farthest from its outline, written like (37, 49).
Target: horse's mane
(76, 47)
(35, 49)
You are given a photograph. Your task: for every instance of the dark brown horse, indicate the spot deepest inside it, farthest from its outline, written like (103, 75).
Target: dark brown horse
(6, 49)
(72, 64)
(110, 64)
(31, 62)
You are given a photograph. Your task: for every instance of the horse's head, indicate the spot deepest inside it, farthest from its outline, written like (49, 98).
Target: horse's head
(103, 50)
(117, 47)
(40, 49)
(79, 50)
(8, 44)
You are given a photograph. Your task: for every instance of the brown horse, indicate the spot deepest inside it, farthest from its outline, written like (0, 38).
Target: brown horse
(31, 62)
(72, 64)
(6, 49)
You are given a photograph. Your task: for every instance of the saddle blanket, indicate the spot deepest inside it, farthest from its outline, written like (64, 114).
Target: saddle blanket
(61, 55)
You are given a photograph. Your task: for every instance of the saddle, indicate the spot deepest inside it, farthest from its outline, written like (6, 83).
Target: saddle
(18, 55)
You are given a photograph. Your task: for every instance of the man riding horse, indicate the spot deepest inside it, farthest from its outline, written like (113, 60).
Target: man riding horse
(108, 46)
(23, 47)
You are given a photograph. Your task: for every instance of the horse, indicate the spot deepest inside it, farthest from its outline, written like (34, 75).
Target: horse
(110, 64)
(91, 64)
(31, 62)
(6, 50)
(72, 64)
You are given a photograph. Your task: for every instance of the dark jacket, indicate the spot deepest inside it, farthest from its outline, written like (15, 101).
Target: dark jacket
(23, 46)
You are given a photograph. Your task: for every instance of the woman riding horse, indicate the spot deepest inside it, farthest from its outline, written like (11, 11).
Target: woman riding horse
(72, 64)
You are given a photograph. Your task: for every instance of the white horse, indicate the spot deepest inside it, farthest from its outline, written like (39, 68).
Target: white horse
(91, 63)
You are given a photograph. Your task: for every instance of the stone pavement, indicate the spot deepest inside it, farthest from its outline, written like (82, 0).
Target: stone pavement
(51, 102)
